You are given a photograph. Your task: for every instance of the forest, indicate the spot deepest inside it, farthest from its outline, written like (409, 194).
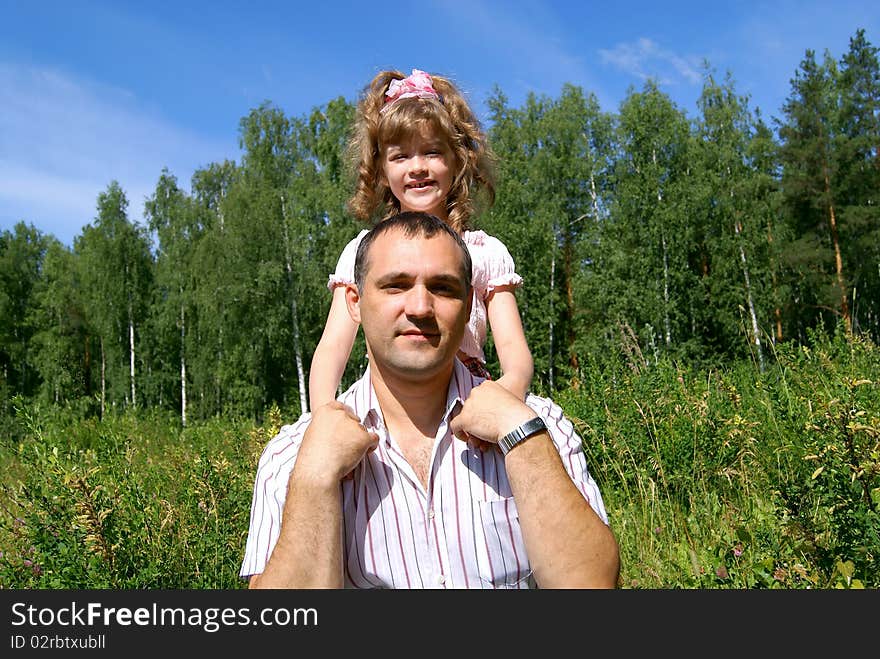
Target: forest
(661, 252)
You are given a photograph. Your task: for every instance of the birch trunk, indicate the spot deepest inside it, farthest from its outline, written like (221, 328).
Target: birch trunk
(777, 310)
(751, 303)
(182, 366)
(294, 317)
(838, 260)
(297, 351)
(131, 355)
(552, 280)
(667, 324)
(569, 300)
(218, 392)
(103, 380)
(594, 197)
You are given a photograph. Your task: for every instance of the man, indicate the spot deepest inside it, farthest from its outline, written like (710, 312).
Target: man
(425, 476)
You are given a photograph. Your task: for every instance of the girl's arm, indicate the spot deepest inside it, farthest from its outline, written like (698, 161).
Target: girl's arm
(517, 366)
(332, 352)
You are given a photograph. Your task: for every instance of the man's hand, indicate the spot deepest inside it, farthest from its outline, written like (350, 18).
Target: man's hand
(568, 544)
(489, 413)
(308, 552)
(334, 444)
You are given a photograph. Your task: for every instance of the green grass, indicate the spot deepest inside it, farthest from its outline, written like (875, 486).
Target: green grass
(741, 479)
(727, 478)
(131, 502)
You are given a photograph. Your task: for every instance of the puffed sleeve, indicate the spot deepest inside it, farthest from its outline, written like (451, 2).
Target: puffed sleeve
(344, 273)
(500, 269)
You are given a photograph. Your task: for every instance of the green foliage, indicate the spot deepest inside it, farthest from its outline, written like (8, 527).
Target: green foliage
(22, 252)
(721, 478)
(130, 502)
(735, 478)
(827, 450)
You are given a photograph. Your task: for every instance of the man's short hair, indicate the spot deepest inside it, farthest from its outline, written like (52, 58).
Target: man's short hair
(412, 224)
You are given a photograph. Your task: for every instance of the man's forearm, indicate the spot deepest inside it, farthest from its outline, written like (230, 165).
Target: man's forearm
(569, 545)
(308, 553)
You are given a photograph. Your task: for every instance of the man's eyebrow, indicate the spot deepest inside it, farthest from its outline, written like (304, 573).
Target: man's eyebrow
(407, 276)
(452, 279)
(393, 276)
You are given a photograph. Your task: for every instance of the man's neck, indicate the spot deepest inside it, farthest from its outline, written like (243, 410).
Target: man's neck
(407, 404)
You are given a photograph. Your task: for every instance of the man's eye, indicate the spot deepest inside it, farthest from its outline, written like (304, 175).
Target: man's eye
(447, 290)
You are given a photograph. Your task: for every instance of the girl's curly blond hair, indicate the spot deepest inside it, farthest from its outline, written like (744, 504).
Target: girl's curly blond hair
(450, 117)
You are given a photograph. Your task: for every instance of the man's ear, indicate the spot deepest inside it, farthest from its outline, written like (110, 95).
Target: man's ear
(353, 302)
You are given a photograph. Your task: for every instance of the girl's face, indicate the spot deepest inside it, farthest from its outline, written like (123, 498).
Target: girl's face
(419, 171)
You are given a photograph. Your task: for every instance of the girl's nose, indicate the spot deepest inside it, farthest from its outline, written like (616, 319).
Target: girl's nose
(418, 164)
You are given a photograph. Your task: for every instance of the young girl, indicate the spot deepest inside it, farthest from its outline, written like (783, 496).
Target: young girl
(417, 146)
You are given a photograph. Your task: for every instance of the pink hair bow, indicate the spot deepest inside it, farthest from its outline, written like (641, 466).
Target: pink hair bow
(418, 84)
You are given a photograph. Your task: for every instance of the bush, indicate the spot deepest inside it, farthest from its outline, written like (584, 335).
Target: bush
(769, 479)
(128, 503)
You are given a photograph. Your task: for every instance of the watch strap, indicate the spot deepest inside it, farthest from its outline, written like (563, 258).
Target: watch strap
(521, 433)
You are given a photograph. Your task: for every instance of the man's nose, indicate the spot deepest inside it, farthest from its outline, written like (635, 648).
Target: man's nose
(419, 303)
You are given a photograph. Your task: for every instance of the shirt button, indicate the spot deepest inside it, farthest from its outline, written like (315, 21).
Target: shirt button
(431, 516)
(441, 579)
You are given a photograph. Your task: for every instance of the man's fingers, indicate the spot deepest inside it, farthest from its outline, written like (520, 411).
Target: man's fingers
(336, 405)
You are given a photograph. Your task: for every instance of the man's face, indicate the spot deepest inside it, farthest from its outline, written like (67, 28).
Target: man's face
(414, 304)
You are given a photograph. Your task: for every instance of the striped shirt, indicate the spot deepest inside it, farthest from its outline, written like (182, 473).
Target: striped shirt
(462, 531)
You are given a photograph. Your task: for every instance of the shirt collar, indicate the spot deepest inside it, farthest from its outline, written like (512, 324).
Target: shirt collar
(460, 385)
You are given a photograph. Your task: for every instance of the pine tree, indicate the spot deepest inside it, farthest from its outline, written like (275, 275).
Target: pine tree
(857, 147)
(809, 184)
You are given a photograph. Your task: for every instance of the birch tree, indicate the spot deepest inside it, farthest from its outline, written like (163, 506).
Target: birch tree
(116, 266)
(648, 239)
(733, 243)
(171, 215)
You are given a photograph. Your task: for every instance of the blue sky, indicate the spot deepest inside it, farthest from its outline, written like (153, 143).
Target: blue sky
(92, 91)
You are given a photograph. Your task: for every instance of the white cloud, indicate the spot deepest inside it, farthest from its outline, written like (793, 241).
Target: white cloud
(62, 140)
(645, 59)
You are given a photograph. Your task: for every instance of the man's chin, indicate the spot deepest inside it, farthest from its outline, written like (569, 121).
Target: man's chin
(416, 366)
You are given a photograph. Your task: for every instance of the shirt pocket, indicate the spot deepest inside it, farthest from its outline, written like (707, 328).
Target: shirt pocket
(505, 563)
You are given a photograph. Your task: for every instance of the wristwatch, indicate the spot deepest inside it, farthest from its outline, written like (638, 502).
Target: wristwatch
(521, 433)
